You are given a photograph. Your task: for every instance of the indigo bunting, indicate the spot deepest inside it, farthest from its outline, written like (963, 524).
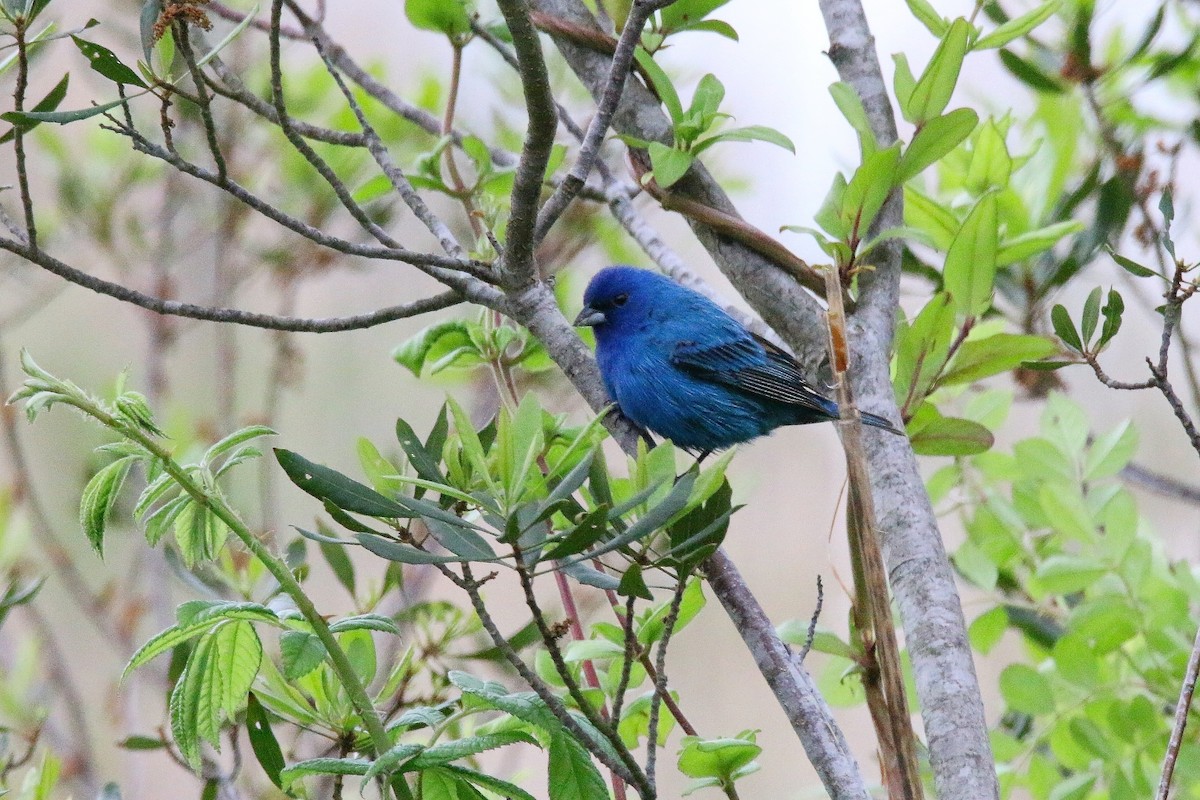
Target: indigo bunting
(678, 365)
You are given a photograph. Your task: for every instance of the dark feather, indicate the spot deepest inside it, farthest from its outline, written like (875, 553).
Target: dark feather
(755, 366)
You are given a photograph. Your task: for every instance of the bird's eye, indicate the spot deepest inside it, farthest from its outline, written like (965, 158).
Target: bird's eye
(621, 299)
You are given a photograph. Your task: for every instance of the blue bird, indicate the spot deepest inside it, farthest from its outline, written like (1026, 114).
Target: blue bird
(678, 365)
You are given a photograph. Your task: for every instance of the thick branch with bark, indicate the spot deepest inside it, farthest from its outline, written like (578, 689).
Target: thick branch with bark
(922, 578)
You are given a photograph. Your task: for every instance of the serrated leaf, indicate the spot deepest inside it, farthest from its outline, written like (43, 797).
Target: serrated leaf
(98, 499)
(302, 652)
(366, 622)
(237, 656)
(571, 774)
(323, 766)
(233, 440)
(446, 752)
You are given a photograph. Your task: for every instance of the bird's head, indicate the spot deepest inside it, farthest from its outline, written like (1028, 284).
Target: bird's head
(619, 297)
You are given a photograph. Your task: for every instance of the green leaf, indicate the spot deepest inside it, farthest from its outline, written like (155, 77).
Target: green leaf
(234, 439)
(750, 133)
(1091, 315)
(851, 106)
(1066, 574)
(444, 753)
(402, 553)
(633, 584)
(437, 346)
(971, 260)
(1000, 352)
(661, 84)
(1033, 242)
(237, 656)
(501, 787)
(263, 742)
(105, 62)
(991, 165)
(98, 499)
(1131, 266)
(868, 190)
(192, 705)
(571, 774)
(933, 89)
(48, 103)
(323, 766)
(930, 217)
(669, 164)
(347, 494)
(450, 17)
(927, 16)
(921, 350)
(903, 80)
(340, 564)
(829, 216)
(302, 652)
(1030, 74)
(717, 758)
(685, 13)
(987, 629)
(935, 139)
(932, 434)
(365, 622)
(1017, 27)
(1065, 328)
(1113, 311)
(1026, 690)
(391, 760)
(423, 460)
(1110, 453)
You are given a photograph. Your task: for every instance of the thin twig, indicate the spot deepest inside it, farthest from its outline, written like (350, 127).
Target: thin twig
(468, 584)
(589, 152)
(1182, 708)
(660, 680)
(230, 315)
(393, 172)
(19, 132)
(812, 624)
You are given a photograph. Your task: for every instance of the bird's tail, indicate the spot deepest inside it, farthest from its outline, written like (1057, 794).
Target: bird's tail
(876, 421)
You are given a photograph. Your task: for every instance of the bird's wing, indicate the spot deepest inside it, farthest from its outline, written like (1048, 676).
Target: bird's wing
(755, 366)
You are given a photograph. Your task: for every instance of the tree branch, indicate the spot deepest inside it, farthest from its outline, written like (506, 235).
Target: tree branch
(518, 262)
(921, 576)
(589, 152)
(231, 315)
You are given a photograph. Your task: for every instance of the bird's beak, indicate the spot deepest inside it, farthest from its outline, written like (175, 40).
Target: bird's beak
(588, 317)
